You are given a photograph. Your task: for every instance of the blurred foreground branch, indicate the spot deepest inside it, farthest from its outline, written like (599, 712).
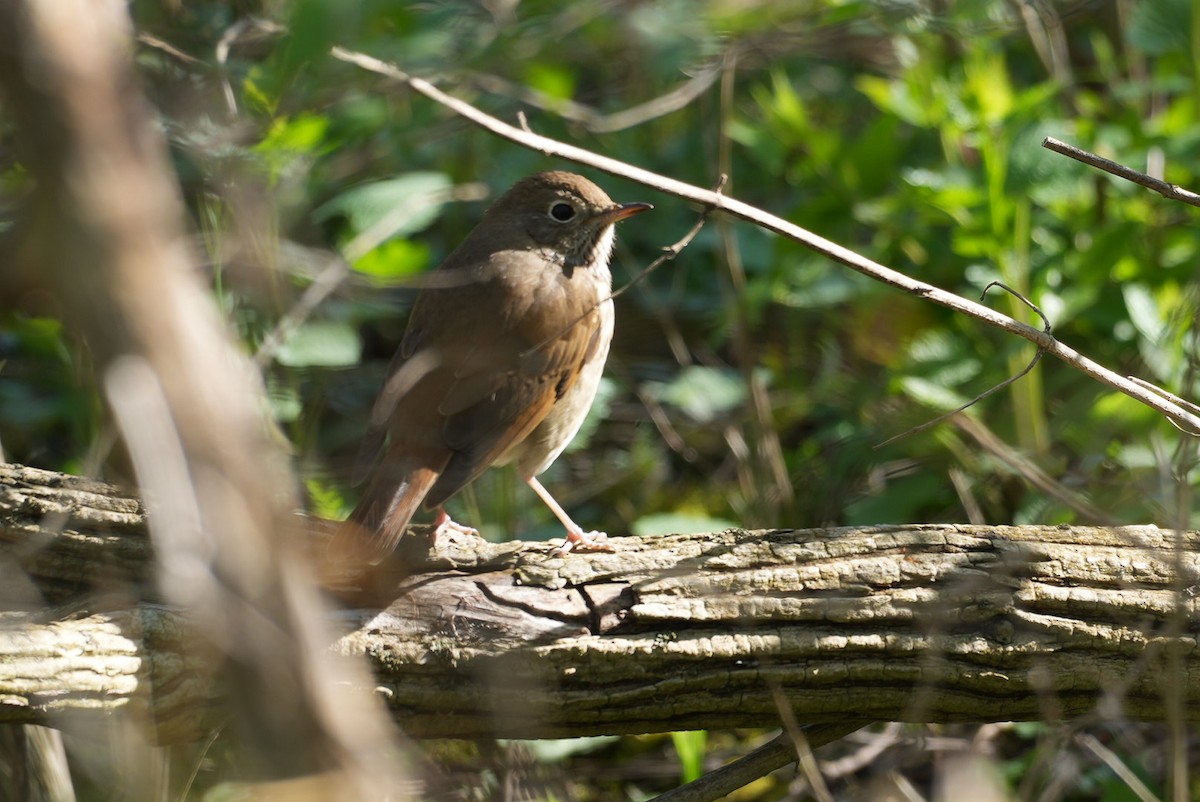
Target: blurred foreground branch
(934, 623)
(101, 238)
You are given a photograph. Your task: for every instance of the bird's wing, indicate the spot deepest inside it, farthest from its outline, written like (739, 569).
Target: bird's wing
(508, 384)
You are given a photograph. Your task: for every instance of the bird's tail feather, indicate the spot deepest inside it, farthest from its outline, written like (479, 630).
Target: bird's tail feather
(393, 496)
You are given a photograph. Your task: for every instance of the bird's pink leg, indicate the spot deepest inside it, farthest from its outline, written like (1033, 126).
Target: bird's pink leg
(577, 539)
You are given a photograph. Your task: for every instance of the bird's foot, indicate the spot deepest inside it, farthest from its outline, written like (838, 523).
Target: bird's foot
(444, 525)
(578, 540)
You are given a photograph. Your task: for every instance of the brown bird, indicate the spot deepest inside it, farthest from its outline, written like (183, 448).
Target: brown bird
(500, 361)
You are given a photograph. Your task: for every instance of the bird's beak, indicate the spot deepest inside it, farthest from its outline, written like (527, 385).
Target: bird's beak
(623, 210)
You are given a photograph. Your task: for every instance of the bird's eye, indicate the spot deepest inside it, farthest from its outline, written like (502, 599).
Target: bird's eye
(562, 212)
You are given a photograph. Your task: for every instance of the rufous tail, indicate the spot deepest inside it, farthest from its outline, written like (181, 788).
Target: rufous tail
(392, 497)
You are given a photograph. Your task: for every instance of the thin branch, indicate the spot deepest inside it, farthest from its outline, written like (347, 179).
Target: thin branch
(1184, 418)
(991, 390)
(1114, 762)
(1032, 473)
(803, 749)
(1164, 188)
(327, 281)
(1167, 394)
(671, 251)
(775, 754)
(150, 40)
(672, 101)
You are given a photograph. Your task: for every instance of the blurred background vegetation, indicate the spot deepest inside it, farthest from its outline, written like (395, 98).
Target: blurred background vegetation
(751, 381)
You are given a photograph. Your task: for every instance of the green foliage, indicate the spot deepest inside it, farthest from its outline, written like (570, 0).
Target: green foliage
(379, 211)
(690, 746)
(323, 343)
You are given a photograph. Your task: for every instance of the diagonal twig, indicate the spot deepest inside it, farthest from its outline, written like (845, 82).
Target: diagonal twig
(594, 121)
(774, 754)
(996, 388)
(1164, 188)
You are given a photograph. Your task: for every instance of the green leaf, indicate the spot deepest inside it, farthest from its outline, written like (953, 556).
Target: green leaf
(930, 394)
(286, 404)
(303, 133)
(322, 343)
(400, 206)
(702, 393)
(292, 138)
(989, 86)
(1119, 412)
(690, 746)
(325, 501)
(551, 80)
(396, 259)
(229, 792)
(895, 98)
(1143, 311)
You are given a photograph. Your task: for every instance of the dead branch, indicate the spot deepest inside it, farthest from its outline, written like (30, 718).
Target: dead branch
(1164, 188)
(933, 623)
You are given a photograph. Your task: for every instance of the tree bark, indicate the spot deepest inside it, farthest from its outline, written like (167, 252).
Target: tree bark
(934, 623)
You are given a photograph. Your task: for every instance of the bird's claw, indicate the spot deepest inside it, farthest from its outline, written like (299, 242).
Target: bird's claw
(445, 525)
(584, 541)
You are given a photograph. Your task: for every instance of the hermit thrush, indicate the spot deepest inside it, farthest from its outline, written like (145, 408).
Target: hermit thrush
(501, 358)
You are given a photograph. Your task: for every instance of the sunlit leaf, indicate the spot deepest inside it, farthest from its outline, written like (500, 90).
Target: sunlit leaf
(550, 750)
(1143, 311)
(702, 393)
(325, 501)
(690, 746)
(398, 206)
(989, 86)
(394, 259)
(931, 394)
(321, 344)
(552, 80)
(285, 401)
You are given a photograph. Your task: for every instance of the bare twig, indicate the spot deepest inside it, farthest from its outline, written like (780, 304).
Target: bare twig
(150, 40)
(247, 28)
(1164, 188)
(671, 251)
(1114, 762)
(1184, 418)
(332, 275)
(1032, 473)
(804, 753)
(775, 754)
(664, 104)
(962, 486)
(875, 744)
(991, 390)
(1183, 402)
